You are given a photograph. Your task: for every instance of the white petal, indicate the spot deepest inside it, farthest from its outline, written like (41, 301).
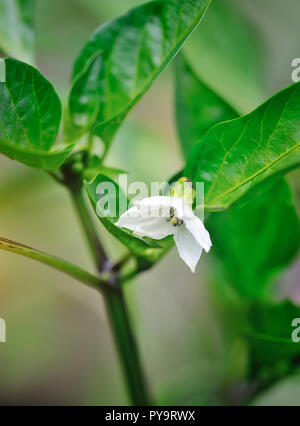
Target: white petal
(153, 227)
(188, 248)
(183, 209)
(156, 228)
(197, 229)
(130, 219)
(155, 206)
(156, 201)
(159, 206)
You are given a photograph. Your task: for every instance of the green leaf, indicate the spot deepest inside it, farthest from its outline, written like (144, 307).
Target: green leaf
(265, 214)
(16, 29)
(198, 108)
(122, 59)
(37, 159)
(234, 156)
(256, 242)
(114, 203)
(225, 53)
(272, 352)
(30, 114)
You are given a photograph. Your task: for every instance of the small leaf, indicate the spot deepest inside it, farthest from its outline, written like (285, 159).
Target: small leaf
(17, 28)
(122, 59)
(30, 114)
(108, 211)
(234, 156)
(198, 108)
(256, 242)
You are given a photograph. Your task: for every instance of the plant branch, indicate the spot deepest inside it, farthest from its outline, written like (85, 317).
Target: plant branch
(122, 262)
(127, 347)
(116, 308)
(55, 262)
(99, 255)
(113, 295)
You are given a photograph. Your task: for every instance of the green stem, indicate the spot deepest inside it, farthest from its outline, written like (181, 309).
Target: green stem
(117, 311)
(127, 347)
(95, 245)
(55, 262)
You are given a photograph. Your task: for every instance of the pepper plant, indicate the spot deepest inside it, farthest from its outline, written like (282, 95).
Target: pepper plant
(239, 144)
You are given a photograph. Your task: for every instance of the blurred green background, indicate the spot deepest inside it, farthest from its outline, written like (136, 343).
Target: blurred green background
(59, 349)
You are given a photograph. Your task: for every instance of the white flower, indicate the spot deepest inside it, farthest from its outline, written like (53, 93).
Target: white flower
(158, 217)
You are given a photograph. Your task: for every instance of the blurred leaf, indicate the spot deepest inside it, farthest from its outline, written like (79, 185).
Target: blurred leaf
(198, 107)
(225, 54)
(257, 241)
(105, 10)
(122, 59)
(30, 114)
(269, 333)
(112, 202)
(234, 156)
(17, 28)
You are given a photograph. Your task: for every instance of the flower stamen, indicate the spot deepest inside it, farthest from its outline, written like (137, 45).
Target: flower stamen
(173, 219)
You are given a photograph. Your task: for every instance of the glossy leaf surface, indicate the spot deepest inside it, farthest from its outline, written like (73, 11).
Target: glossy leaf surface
(122, 59)
(30, 114)
(234, 156)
